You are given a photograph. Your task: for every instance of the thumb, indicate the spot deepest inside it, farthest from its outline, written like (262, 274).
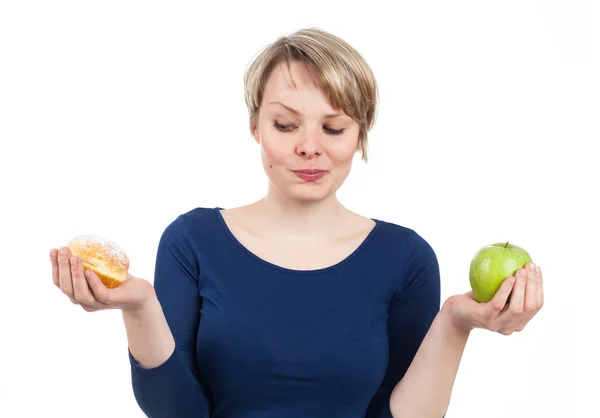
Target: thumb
(129, 277)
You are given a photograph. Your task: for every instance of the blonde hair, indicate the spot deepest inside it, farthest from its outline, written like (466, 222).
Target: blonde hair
(344, 75)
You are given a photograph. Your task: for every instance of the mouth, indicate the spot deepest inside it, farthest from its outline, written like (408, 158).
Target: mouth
(310, 172)
(310, 175)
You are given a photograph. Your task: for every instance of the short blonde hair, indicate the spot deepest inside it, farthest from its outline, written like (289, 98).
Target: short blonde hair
(344, 75)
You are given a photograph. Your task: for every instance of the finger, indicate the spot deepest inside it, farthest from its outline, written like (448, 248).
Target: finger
(64, 271)
(540, 288)
(89, 308)
(531, 294)
(54, 262)
(81, 290)
(99, 289)
(517, 298)
(498, 302)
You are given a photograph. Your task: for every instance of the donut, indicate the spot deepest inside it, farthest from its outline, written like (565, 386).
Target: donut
(103, 257)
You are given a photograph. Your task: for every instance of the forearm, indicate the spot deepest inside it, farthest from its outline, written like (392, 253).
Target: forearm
(163, 380)
(149, 337)
(425, 389)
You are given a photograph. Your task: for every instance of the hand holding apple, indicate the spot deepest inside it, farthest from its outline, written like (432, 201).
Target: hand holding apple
(527, 298)
(491, 265)
(497, 272)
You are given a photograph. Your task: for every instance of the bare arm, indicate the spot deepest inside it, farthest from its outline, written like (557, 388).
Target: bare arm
(161, 335)
(149, 337)
(425, 389)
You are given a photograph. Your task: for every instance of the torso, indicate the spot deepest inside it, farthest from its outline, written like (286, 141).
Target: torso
(289, 343)
(318, 254)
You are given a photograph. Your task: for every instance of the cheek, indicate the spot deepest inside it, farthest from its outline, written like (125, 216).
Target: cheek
(342, 152)
(273, 153)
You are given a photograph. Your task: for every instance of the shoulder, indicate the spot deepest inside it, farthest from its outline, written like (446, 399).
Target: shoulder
(412, 254)
(405, 239)
(416, 262)
(190, 223)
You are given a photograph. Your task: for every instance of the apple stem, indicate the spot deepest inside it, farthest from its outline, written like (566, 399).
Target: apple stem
(506, 245)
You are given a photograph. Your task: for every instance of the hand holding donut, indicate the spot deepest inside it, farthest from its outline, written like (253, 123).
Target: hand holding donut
(93, 272)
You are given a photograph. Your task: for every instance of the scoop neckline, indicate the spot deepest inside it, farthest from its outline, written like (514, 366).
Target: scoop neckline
(260, 260)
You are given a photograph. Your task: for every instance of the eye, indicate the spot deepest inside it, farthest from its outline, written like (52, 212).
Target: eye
(282, 128)
(334, 131)
(285, 128)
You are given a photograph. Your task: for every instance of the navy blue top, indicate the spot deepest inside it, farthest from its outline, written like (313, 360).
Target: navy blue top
(256, 340)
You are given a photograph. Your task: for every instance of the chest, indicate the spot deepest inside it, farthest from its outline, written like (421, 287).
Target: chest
(296, 339)
(306, 253)
(306, 256)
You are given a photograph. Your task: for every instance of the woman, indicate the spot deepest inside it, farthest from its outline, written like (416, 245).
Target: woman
(293, 305)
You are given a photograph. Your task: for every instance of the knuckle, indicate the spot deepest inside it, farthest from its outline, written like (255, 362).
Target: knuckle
(497, 306)
(78, 279)
(493, 327)
(87, 301)
(516, 309)
(107, 298)
(102, 297)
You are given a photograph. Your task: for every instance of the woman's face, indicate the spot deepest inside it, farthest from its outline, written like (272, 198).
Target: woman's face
(298, 130)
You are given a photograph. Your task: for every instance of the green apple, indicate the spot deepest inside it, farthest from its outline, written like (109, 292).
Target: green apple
(491, 265)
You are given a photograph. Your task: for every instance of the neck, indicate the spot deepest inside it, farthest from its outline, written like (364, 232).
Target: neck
(302, 218)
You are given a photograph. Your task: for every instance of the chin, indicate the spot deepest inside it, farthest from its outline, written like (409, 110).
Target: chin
(309, 194)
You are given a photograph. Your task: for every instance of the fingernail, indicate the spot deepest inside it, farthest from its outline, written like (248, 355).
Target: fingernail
(537, 269)
(532, 267)
(73, 261)
(522, 273)
(86, 273)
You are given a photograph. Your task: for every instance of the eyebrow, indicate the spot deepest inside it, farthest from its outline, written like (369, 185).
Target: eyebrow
(297, 113)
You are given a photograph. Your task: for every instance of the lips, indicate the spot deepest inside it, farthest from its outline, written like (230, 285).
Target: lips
(311, 175)
(310, 172)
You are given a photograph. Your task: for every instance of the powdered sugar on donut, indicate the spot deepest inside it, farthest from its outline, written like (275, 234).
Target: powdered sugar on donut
(111, 249)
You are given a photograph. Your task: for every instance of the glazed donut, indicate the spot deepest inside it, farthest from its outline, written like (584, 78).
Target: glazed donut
(103, 257)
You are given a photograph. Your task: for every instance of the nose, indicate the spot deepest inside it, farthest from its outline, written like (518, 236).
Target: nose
(309, 145)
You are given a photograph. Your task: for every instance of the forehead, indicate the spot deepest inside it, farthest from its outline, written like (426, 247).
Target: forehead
(280, 80)
(308, 93)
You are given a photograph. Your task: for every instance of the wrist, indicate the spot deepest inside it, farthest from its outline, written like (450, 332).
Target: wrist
(148, 303)
(454, 318)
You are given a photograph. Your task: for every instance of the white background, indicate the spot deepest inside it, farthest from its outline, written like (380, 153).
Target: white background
(117, 116)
